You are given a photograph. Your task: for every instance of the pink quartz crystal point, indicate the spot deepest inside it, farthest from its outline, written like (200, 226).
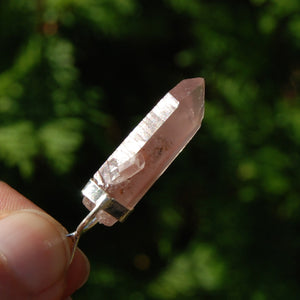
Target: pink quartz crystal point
(150, 148)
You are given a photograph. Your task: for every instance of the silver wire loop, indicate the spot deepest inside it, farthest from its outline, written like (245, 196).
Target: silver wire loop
(102, 202)
(87, 223)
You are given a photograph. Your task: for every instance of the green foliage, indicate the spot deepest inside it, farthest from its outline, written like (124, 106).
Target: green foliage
(198, 268)
(223, 222)
(18, 146)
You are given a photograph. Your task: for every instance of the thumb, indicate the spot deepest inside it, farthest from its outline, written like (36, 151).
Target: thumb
(34, 256)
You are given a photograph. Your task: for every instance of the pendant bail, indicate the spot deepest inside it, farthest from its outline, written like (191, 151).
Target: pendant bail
(110, 205)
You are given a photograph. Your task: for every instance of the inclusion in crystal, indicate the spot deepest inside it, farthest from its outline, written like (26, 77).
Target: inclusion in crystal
(150, 148)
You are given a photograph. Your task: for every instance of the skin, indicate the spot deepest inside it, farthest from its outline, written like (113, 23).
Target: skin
(35, 253)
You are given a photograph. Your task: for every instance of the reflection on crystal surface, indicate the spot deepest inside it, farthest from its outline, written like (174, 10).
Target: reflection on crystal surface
(149, 149)
(127, 160)
(116, 173)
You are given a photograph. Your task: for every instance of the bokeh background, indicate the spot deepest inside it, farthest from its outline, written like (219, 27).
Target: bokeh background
(224, 221)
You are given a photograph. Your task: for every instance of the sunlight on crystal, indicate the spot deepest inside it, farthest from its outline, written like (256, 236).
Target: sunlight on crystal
(152, 146)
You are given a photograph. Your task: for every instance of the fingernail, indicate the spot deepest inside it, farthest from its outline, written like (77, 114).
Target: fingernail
(34, 248)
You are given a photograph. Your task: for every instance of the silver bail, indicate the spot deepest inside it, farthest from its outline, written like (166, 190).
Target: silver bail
(103, 202)
(95, 194)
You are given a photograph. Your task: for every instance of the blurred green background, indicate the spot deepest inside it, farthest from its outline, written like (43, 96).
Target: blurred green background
(224, 221)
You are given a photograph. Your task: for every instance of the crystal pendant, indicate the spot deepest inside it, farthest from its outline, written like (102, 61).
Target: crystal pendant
(148, 150)
(142, 157)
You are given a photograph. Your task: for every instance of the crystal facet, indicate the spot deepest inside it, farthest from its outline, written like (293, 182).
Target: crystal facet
(150, 148)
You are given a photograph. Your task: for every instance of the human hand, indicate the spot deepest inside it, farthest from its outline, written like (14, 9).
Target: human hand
(35, 253)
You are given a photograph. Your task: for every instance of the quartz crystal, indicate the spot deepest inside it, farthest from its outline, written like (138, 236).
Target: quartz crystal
(149, 149)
